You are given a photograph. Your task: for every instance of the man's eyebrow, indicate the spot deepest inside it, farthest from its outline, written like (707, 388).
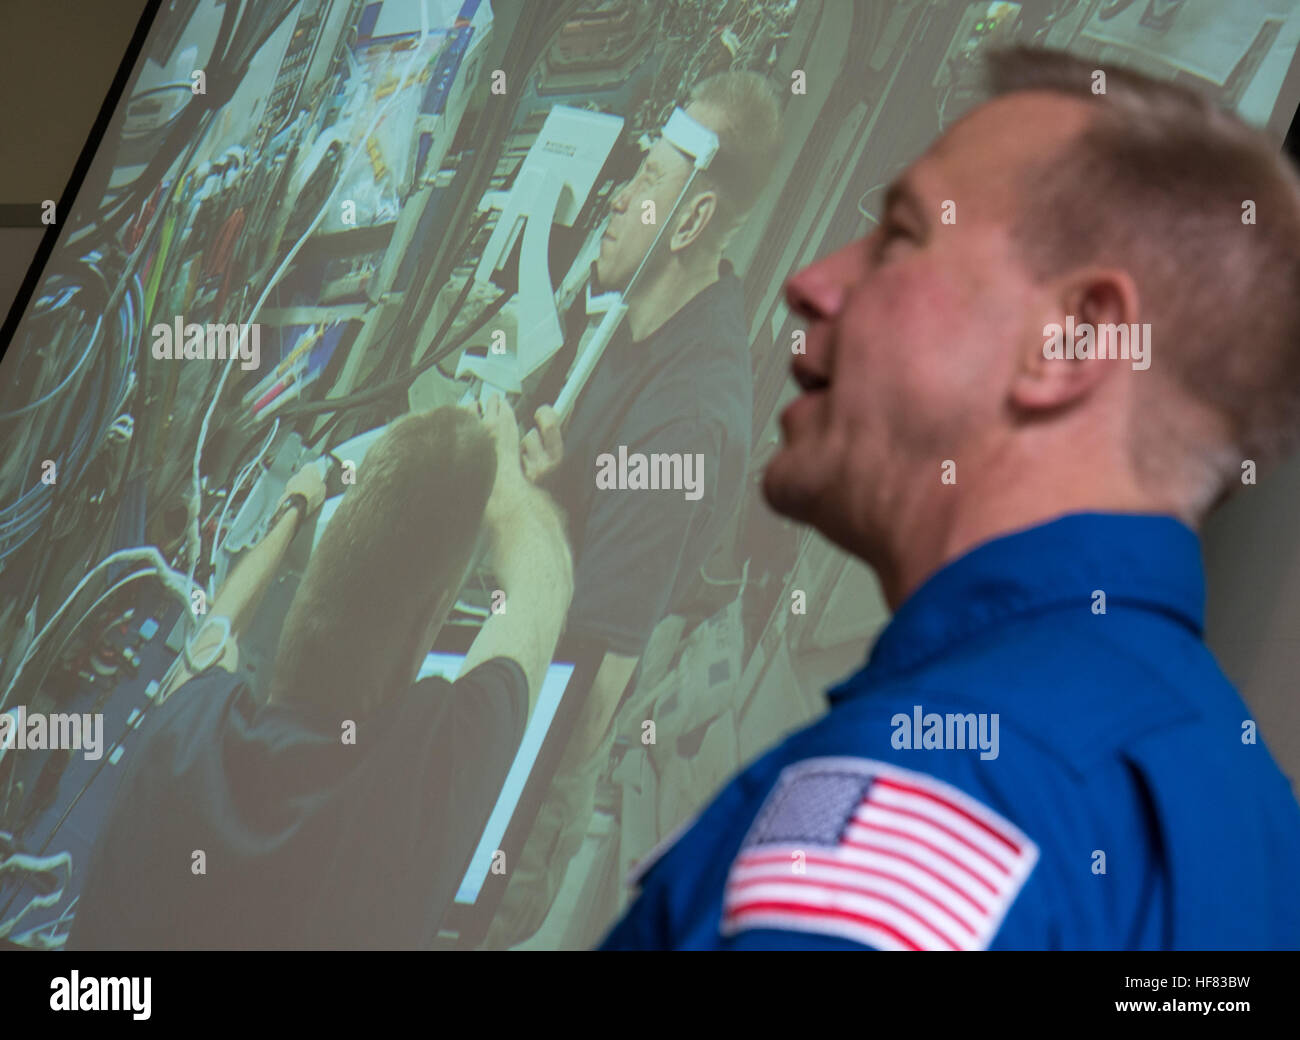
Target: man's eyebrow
(901, 194)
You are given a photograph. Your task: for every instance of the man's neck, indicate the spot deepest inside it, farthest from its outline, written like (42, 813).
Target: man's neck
(937, 533)
(657, 299)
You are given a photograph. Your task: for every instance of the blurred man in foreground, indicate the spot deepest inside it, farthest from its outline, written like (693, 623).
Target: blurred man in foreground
(1040, 751)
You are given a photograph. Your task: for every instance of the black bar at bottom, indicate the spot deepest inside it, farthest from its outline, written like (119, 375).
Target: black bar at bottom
(306, 989)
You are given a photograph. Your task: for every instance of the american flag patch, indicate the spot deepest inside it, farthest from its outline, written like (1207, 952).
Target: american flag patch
(883, 856)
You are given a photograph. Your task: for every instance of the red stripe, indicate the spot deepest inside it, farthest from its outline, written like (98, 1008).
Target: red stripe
(799, 910)
(865, 847)
(869, 848)
(827, 861)
(268, 397)
(933, 848)
(922, 792)
(936, 824)
(837, 886)
(984, 910)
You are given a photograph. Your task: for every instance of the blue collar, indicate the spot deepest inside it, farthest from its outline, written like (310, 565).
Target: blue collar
(1146, 561)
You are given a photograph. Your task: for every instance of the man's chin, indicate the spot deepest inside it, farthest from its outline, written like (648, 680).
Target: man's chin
(785, 488)
(606, 284)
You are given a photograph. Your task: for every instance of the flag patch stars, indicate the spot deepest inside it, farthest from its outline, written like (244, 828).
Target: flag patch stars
(886, 857)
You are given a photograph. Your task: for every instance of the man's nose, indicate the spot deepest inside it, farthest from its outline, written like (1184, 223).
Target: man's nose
(815, 292)
(619, 202)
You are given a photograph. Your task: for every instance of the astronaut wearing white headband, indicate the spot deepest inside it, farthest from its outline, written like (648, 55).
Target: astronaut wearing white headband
(659, 202)
(675, 379)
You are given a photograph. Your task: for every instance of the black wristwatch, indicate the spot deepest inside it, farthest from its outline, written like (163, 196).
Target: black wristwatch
(297, 500)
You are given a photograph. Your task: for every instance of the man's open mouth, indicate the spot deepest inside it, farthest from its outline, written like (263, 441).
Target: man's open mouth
(808, 380)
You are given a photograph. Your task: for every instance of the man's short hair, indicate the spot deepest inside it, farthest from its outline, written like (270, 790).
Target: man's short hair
(748, 126)
(400, 537)
(1158, 183)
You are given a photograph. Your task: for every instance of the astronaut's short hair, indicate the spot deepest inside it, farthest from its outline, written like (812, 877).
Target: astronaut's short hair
(1158, 183)
(748, 125)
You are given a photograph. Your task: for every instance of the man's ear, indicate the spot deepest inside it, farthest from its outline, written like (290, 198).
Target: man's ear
(1049, 373)
(699, 211)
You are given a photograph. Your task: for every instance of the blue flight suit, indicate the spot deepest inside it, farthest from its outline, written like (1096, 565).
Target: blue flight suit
(1126, 798)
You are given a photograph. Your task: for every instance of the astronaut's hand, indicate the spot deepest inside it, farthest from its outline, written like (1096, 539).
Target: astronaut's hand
(542, 449)
(309, 483)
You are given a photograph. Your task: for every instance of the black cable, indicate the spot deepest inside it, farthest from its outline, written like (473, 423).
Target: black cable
(323, 432)
(409, 309)
(530, 43)
(360, 398)
(373, 395)
(403, 379)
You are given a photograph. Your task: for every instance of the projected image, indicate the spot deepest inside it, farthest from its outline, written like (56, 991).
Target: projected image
(384, 561)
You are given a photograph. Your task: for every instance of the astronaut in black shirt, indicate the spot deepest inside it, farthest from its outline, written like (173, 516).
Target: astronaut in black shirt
(674, 382)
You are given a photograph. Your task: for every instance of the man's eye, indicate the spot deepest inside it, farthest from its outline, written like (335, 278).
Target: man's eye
(890, 233)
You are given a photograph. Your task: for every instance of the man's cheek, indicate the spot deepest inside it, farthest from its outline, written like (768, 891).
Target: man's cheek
(929, 292)
(905, 306)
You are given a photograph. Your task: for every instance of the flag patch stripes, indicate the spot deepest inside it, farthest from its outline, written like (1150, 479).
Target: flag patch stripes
(886, 857)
